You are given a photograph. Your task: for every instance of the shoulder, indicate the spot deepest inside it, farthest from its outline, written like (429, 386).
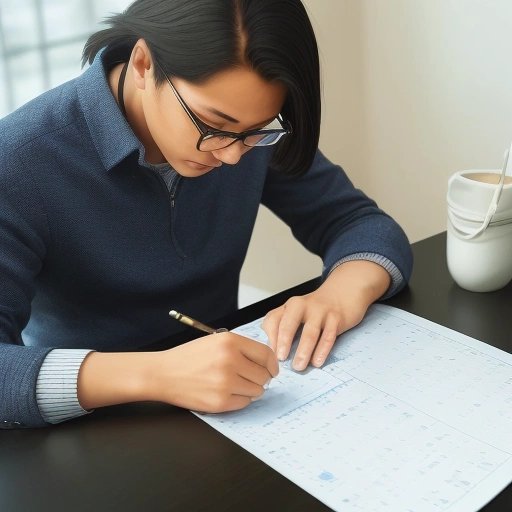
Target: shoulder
(37, 129)
(44, 115)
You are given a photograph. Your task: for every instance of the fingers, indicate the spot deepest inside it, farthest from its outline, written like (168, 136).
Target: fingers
(239, 390)
(220, 372)
(281, 325)
(321, 326)
(271, 326)
(309, 338)
(244, 387)
(254, 373)
(316, 342)
(326, 341)
(237, 402)
(260, 354)
(288, 327)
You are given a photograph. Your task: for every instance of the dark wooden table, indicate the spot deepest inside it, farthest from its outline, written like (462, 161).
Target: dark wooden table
(151, 456)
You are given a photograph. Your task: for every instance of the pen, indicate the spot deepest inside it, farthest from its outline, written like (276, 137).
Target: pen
(184, 319)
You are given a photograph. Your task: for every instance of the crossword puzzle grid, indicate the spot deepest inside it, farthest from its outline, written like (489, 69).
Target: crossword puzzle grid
(391, 422)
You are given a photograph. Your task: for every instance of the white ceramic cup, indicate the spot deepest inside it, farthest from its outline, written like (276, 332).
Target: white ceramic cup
(479, 234)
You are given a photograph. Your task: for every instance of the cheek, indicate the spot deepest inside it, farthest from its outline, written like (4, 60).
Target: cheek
(172, 134)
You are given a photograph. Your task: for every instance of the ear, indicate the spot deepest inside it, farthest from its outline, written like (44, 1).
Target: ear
(142, 64)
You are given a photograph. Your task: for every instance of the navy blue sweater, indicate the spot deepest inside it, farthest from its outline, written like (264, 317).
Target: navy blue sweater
(95, 248)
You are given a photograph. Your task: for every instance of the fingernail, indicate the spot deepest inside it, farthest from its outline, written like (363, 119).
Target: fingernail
(299, 364)
(281, 354)
(255, 398)
(267, 384)
(319, 361)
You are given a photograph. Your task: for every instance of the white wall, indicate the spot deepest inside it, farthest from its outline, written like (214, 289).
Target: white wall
(413, 91)
(437, 95)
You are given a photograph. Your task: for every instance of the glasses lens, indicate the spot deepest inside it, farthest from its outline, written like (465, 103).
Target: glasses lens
(275, 124)
(210, 142)
(213, 142)
(263, 139)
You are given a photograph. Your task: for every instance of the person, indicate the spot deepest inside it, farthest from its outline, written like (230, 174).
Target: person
(133, 189)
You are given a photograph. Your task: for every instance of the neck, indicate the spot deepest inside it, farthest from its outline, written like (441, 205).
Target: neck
(130, 104)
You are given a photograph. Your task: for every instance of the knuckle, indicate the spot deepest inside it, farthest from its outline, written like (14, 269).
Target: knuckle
(328, 341)
(226, 346)
(329, 335)
(273, 315)
(338, 321)
(270, 315)
(294, 301)
(219, 403)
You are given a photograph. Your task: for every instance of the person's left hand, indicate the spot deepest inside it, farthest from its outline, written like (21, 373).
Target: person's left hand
(339, 304)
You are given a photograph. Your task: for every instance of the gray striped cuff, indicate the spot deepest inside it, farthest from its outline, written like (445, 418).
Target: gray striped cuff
(396, 276)
(56, 388)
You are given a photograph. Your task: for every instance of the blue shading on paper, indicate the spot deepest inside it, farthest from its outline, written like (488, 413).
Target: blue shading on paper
(405, 415)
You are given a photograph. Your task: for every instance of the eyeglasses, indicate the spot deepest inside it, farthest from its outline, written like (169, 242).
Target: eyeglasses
(212, 139)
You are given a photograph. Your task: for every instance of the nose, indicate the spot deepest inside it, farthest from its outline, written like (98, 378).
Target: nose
(232, 154)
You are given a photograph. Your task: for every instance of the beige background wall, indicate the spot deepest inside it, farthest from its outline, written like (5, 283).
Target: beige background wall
(413, 91)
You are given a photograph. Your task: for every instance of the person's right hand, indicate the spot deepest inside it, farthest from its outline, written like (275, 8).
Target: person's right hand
(216, 373)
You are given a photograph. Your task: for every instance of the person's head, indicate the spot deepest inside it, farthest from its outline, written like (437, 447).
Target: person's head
(248, 59)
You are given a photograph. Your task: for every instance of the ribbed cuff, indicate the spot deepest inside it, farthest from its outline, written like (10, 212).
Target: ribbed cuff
(56, 388)
(396, 276)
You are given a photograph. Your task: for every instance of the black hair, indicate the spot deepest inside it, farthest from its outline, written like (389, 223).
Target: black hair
(194, 39)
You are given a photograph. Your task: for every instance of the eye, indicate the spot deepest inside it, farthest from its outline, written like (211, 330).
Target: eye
(210, 124)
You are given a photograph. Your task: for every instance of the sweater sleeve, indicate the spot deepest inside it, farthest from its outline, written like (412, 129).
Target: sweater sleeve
(24, 237)
(397, 280)
(336, 221)
(56, 390)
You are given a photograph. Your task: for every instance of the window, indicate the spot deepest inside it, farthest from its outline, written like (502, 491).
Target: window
(41, 43)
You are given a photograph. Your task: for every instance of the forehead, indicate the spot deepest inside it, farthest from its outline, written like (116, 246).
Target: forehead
(240, 93)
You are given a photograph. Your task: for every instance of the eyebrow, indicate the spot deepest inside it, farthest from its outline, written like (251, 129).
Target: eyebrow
(232, 119)
(222, 114)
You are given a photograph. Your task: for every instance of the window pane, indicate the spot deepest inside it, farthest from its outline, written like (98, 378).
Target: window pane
(27, 76)
(65, 62)
(104, 8)
(19, 24)
(4, 108)
(66, 19)
(43, 43)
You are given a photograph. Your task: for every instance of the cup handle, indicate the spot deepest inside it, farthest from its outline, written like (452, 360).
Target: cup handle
(493, 206)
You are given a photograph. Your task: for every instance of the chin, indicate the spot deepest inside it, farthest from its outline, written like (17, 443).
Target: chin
(191, 169)
(190, 173)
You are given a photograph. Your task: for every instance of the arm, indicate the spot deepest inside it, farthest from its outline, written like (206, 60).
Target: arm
(36, 389)
(337, 305)
(24, 236)
(56, 388)
(223, 373)
(220, 372)
(366, 256)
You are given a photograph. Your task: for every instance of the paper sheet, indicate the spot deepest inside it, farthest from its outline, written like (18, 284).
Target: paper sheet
(405, 415)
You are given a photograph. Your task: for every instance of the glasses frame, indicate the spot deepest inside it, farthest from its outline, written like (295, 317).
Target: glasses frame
(207, 132)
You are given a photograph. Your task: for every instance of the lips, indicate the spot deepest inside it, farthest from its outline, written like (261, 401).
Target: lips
(202, 167)
(199, 166)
